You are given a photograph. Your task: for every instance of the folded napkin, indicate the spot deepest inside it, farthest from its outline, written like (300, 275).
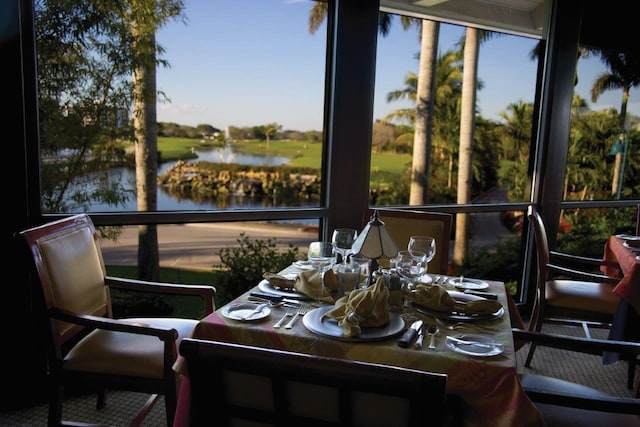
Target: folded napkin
(279, 281)
(362, 308)
(438, 299)
(308, 282)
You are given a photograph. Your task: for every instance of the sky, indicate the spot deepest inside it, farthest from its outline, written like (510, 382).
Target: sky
(253, 62)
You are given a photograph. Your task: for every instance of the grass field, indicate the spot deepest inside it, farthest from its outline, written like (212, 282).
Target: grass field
(301, 153)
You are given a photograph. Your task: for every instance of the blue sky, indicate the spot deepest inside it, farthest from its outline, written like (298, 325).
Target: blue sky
(252, 62)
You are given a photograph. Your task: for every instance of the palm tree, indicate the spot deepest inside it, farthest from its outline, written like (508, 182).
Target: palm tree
(624, 73)
(423, 118)
(473, 38)
(146, 16)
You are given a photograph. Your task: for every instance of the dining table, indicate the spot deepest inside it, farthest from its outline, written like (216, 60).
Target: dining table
(626, 322)
(485, 380)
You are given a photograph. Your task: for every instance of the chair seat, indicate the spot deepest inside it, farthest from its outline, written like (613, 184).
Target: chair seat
(121, 353)
(563, 416)
(582, 296)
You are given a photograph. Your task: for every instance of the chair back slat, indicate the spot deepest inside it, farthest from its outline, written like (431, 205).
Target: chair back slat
(233, 382)
(402, 224)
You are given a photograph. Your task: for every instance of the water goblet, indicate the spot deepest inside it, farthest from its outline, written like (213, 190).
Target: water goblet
(342, 240)
(410, 266)
(422, 246)
(322, 256)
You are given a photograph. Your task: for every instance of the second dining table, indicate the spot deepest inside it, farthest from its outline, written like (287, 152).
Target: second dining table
(487, 383)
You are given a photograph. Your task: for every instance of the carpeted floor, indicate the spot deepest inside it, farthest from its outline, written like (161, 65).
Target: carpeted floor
(121, 406)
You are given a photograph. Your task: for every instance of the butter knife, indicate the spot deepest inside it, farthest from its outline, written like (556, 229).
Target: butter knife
(418, 343)
(475, 343)
(256, 310)
(407, 338)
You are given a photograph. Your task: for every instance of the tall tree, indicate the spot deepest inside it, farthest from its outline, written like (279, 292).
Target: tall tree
(467, 122)
(624, 73)
(422, 140)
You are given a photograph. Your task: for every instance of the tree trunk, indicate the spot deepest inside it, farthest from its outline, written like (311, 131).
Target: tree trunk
(425, 96)
(467, 123)
(146, 152)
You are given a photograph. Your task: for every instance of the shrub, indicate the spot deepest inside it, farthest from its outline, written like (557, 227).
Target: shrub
(245, 264)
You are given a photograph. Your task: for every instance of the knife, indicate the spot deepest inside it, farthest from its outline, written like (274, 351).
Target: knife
(475, 343)
(274, 298)
(410, 334)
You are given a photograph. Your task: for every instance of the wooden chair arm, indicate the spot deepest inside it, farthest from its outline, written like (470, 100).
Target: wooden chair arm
(578, 344)
(207, 292)
(569, 258)
(582, 275)
(117, 325)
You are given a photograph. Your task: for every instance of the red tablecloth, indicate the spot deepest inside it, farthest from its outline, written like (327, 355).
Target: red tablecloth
(488, 385)
(629, 286)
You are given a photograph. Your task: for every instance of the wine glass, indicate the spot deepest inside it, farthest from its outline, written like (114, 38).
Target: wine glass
(410, 266)
(322, 256)
(342, 240)
(423, 248)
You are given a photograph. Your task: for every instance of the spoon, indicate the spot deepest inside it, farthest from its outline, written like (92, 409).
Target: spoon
(432, 330)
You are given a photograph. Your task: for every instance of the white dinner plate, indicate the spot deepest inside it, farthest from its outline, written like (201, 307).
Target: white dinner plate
(462, 297)
(475, 350)
(468, 283)
(318, 323)
(633, 248)
(638, 257)
(240, 310)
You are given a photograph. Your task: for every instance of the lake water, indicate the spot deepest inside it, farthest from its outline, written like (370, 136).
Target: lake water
(170, 202)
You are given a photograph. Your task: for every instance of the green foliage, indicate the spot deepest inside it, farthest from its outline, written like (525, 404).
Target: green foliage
(501, 263)
(245, 264)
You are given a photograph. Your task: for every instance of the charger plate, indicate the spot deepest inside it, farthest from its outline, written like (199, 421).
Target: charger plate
(460, 317)
(318, 323)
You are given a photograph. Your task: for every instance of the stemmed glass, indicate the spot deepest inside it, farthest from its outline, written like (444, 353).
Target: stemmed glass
(410, 266)
(322, 256)
(342, 240)
(422, 248)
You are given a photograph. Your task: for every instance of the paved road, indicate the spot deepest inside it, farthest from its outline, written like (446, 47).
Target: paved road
(197, 246)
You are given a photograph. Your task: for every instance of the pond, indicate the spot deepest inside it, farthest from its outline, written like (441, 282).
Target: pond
(170, 202)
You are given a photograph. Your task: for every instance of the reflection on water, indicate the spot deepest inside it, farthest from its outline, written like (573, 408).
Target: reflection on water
(170, 202)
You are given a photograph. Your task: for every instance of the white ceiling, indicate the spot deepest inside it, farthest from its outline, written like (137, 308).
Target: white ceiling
(525, 17)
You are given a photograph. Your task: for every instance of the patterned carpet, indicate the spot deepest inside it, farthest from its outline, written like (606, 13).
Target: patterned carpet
(121, 406)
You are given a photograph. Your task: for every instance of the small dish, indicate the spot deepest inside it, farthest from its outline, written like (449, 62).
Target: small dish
(628, 237)
(468, 283)
(244, 309)
(303, 264)
(482, 350)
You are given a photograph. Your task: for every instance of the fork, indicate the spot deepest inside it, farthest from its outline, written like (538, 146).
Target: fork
(301, 312)
(289, 313)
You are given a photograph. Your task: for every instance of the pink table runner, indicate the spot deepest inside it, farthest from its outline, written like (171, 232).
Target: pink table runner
(488, 385)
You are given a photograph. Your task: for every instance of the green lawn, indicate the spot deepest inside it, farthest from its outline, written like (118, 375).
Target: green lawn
(301, 153)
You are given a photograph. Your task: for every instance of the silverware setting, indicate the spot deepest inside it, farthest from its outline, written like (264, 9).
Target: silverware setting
(302, 310)
(418, 343)
(279, 323)
(489, 345)
(432, 331)
(255, 311)
(463, 325)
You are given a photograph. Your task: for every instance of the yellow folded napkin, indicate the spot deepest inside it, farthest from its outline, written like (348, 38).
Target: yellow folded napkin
(279, 281)
(438, 299)
(362, 308)
(308, 283)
